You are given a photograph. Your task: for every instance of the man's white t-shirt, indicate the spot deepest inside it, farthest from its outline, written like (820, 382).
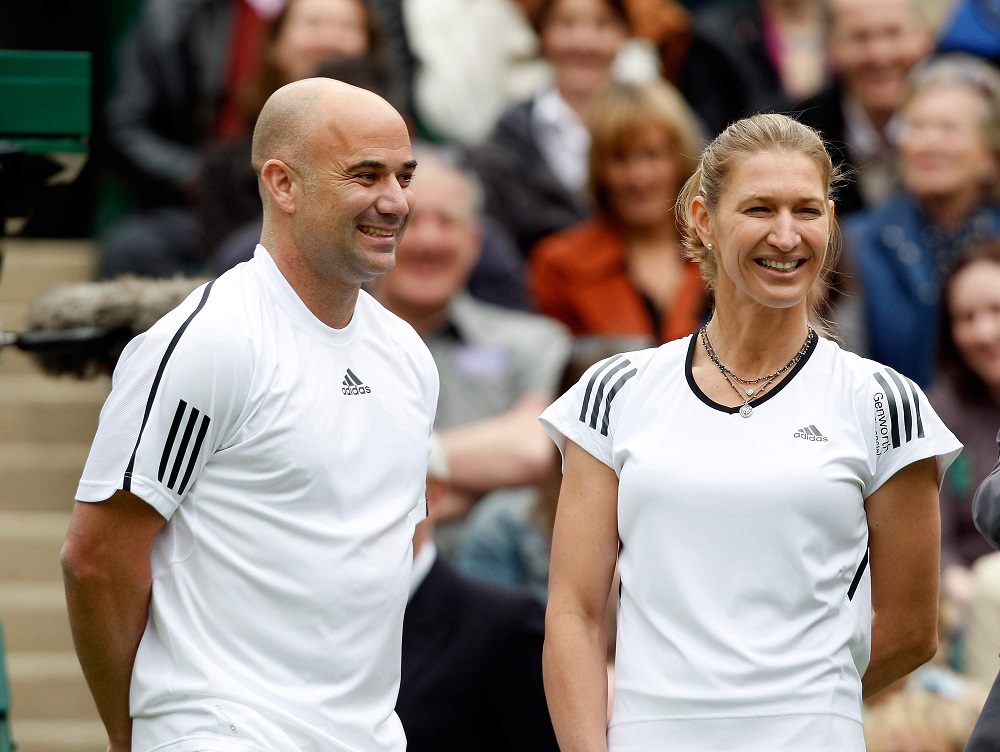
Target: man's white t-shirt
(289, 459)
(745, 613)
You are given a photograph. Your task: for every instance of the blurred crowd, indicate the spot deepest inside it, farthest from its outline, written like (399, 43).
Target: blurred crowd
(553, 138)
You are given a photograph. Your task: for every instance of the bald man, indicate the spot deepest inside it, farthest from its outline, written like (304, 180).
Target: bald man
(238, 559)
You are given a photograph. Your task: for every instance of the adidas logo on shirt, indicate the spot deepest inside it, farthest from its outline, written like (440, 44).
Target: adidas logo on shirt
(810, 433)
(353, 385)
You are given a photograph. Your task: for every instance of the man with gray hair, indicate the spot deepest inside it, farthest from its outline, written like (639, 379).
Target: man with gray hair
(239, 554)
(873, 45)
(499, 368)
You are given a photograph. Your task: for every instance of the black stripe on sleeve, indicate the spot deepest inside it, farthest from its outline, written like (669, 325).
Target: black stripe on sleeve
(600, 391)
(590, 388)
(857, 577)
(193, 460)
(182, 451)
(904, 395)
(893, 416)
(171, 435)
(916, 408)
(611, 395)
(127, 480)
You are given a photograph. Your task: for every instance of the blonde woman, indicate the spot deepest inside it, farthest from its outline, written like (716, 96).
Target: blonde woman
(763, 492)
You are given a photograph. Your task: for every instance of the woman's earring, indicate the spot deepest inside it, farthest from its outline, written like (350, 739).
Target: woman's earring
(710, 247)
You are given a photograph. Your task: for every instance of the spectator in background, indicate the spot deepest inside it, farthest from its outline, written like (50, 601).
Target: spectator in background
(508, 536)
(304, 37)
(747, 55)
(903, 250)
(873, 45)
(533, 167)
(499, 368)
(986, 510)
(967, 396)
(624, 272)
(178, 72)
(472, 653)
(922, 722)
(472, 60)
(972, 26)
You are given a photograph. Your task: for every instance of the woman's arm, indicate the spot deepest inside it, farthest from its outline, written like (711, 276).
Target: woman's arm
(904, 527)
(584, 552)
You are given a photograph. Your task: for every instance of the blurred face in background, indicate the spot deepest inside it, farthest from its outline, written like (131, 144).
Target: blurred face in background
(441, 245)
(642, 177)
(974, 306)
(315, 31)
(943, 149)
(874, 44)
(581, 39)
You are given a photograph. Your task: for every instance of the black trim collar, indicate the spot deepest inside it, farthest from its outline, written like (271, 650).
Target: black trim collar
(731, 410)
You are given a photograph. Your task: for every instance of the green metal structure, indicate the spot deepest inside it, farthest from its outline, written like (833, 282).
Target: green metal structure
(45, 100)
(6, 743)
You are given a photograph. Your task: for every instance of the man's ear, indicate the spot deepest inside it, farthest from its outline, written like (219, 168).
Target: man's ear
(280, 180)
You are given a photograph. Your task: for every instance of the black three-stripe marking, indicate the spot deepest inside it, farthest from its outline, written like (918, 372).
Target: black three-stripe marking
(605, 373)
(857, 577)
(909, 404)
(127, 480)
(192, 421)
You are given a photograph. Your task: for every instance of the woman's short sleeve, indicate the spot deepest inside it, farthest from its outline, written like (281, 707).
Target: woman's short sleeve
(903, 428)
(588, 412)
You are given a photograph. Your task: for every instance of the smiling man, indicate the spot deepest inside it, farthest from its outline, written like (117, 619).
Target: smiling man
(239, 555)
(873, 45)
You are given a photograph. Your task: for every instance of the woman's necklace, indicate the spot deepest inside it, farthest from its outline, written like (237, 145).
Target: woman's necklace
(753, 388)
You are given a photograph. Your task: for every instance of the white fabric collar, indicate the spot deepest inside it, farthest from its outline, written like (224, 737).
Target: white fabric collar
(562, 138)
(863, 139)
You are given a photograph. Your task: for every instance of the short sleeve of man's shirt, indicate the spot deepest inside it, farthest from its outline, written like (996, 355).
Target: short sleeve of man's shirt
(588, 413)
(176, 391)
(901, 428)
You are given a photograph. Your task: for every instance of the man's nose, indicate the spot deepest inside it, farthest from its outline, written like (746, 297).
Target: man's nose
(393, 198)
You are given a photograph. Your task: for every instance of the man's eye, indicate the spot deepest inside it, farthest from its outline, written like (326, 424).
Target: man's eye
(405, 178)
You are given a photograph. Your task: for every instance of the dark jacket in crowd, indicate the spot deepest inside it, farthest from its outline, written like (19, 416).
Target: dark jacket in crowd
(171, 74)
(520, 190)
(472, 668)
(824, 111)
(728, 73)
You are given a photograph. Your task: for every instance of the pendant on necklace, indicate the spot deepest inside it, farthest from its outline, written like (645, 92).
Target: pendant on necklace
(750, 392)
(746, 411)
